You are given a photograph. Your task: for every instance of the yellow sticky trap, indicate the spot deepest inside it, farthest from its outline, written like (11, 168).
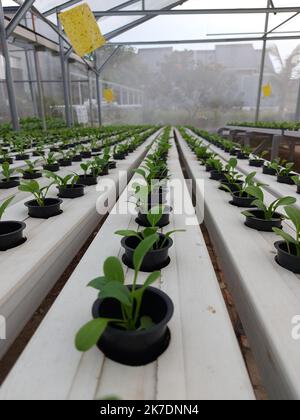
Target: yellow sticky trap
(267, 90)
(82, 29)
(109, 95)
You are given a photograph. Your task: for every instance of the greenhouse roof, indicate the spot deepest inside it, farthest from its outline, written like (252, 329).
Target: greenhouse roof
(129, 22)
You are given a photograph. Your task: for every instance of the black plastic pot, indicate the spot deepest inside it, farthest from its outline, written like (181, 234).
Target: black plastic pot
(217, 176)
(233, 187)
(50, 209)
(209, 168)
(154, 260)
(8, 160)
(86, 155)
(245, 201)
(34, 175)
(36, 154)
(112, 165)
(87, 180)
(11, 234)
(105, 171)
(258, 221)
(298, 189)
(242, 156)
(77, 158)
(136, 348)
(11, 183)
(65, 162)
(54, 149)
(119, 156)
(269, 171)
(257, 163)
(22, 157)
(286, 179)
(164, 221)
(70, 191)
(287, 260)
(51, 168)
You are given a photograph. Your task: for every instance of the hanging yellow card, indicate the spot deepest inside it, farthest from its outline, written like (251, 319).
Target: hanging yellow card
(109, 95)
(82, 29)
(267, 90)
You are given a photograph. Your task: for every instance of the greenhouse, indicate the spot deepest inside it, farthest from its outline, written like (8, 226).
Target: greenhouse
(149, 202)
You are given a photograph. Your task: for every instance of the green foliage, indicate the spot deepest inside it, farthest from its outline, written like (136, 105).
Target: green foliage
(7, 171)
(62, 182)
(34, 188)
(293, 214)
(4, 206)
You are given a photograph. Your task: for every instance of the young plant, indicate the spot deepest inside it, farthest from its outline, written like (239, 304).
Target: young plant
(33, 187)
(50, 159)
(30, 168)
(85, 167)
(293, 214)
(62, 182)
(232, 176)
(215, 163)
(4, 206)
(7, 171)
(259, 202)
(259, 156)
(286, 169)
(112, 285)
(154, 216)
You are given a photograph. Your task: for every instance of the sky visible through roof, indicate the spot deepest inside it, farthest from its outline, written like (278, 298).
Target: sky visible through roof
(207, 26)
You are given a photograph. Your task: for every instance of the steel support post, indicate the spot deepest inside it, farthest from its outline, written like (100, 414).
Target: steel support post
(42, 112)
(262, 66)
(64, 76)
(8, 74)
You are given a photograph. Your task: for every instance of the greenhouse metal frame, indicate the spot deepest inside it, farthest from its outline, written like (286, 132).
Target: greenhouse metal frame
(137, 13)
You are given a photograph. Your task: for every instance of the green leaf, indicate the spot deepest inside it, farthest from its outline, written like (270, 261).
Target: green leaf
(255, 192)
(4, 205)
(143, 248)
(113, 270)
(294, 215)
(98, 283)
(155, 215)
(285, 201)
(149, 231)
(288, 238)
(127, 233)
(117, 291)
(89, 335)
(146, 323)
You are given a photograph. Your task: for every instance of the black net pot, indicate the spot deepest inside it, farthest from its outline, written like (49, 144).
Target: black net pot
(287, 260)
(77, 158)
(269, 171)
(11, 183)
(286, 179)
(8, 160)
(32, 175)
(136, 348)
(112, 165)
(258, 221)
(22, 157)
(164, 221)
(70, 191)
(65, 162)
(87, 180)
(242, 156)
(298, 189)
(51, 168)
(256, 163)
(119, 156)
(50, 209)
(11, 234)
(154, 260)
(233, 187)
(242, 201)
(209, 168)
(86, 155)
(217, 176)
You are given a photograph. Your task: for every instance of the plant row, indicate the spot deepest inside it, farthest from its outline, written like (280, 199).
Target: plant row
(130, 320)
(71, 186)
(274, 125)
(282, 169)
(247, 193)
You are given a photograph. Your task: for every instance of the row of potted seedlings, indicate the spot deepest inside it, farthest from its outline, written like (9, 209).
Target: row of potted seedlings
(130, 322)
(246, 193)
(70, 186)
(282, 169)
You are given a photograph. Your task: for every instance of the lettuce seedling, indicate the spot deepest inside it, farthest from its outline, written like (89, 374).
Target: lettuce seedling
(33, 187)
(259, 202)
(293, 214)
(112, 285)
(62, 182)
